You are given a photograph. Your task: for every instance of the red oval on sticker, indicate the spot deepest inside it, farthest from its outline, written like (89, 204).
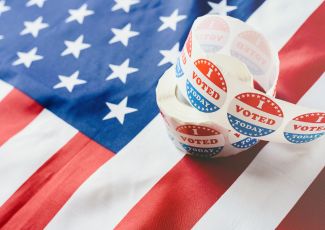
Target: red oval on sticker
(212, 73)
(260, 102)
(197, 130)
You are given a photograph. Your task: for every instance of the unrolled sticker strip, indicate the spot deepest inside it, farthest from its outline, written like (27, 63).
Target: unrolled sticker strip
(220, 112)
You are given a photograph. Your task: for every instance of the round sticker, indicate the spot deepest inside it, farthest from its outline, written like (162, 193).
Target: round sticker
(251, 48)
(212, 33)
(178, 68)
(305, 128)
(254, 114)
(188, 44)
(183, 55)
(241, 142)
(200, 140)
(207, 90)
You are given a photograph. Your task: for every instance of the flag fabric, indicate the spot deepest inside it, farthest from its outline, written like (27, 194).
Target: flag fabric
(82, 145)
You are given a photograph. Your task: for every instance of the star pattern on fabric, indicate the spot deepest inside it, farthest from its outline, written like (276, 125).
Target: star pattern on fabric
(79, 14)
(170, 56)
(3, 7)
(171, 21)
(27, 58)
(75, 47)
(119, 110)
(124, 5)
(69, 82)
(221, 8)
(121, 71)
(33, 27)
(39, 3)
(123, 35)
(92, 53)
(1, 37)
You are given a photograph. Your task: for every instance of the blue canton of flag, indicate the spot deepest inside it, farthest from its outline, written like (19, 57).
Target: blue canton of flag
(95, 64)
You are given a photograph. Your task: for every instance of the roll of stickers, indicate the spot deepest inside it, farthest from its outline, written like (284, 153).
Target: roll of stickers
(208, 99)
(191, 131)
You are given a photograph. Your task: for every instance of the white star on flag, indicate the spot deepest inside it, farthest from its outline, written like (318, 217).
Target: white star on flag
(119, 110)
(75, 47)
(171, 21)
(27, 58)
(79, 14)
(3, 7)
(121, 71)
(124, 4)
(1, 37)
(33, 27)
(123, 35)
(38, 3)
(170, 55)
(69, 82)
(221, 8)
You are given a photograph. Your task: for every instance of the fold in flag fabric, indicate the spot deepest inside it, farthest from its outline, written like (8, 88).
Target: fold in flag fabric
(82, 145)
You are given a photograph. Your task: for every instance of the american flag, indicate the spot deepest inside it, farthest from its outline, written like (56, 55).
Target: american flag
(82, 145)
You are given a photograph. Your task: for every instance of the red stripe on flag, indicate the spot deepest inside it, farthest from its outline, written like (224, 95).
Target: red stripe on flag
(309, 212)
(37, 201)
(303, 58)
(180, 198)
(188, 190)
(16, 112)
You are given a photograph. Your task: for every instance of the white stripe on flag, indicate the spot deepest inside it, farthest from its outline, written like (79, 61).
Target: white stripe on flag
(312, 100)
(126, 178)
(103, 200)
(276, 19)
(271, 185)
(25, 152)
(5, 88)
